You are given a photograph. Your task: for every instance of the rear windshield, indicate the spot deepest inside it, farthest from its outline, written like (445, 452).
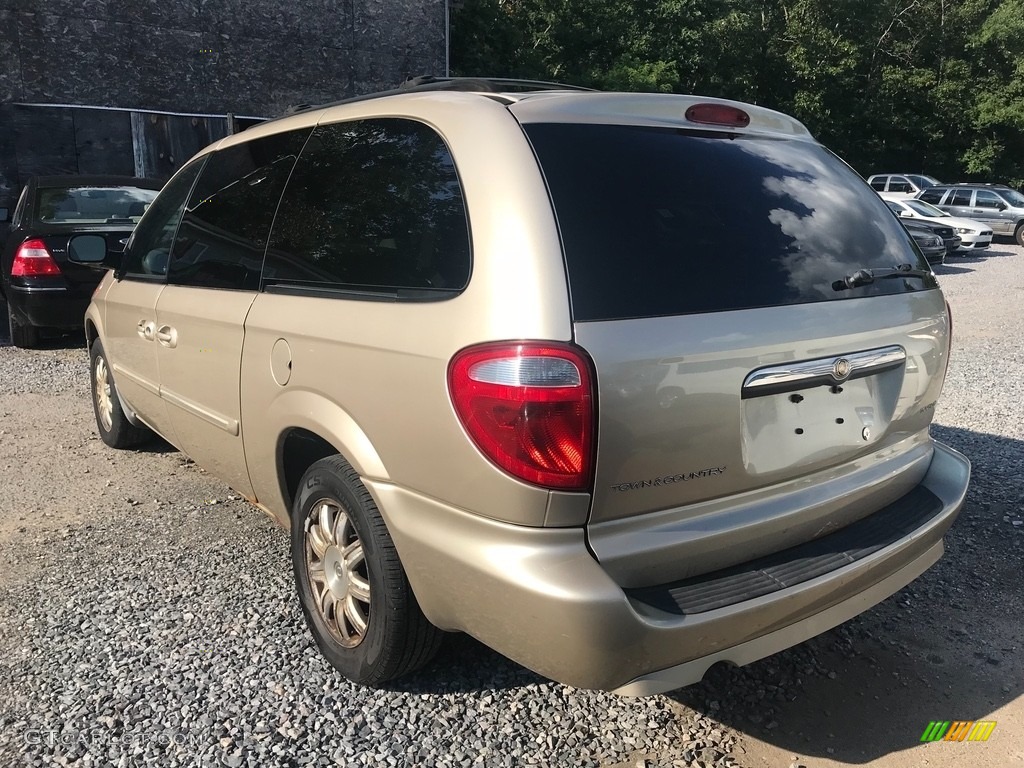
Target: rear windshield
(92, 205)
(925, 209)
(660, 221)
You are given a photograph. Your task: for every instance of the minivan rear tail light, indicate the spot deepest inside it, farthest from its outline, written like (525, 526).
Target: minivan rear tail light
(718, 114)
(529, 407)
(33, 260)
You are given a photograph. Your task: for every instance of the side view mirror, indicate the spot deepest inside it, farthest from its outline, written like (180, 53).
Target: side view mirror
(91, 251)
(906, 215)
(1001, 206)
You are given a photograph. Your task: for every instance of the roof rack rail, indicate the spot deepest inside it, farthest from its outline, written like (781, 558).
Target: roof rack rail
(431, 83)
(978, 184)
(486, 84)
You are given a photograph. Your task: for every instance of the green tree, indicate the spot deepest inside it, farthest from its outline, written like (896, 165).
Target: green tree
(934, 86)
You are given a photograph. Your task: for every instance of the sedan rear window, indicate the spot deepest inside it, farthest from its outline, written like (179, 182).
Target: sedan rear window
(92, 205)
(663, 221)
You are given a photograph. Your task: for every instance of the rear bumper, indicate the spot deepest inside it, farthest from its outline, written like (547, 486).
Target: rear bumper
(50, 307)
(540, 598)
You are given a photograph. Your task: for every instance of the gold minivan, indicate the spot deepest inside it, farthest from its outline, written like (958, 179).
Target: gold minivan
(622, 385)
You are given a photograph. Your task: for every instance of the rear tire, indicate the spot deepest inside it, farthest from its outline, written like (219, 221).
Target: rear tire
(23, 334)
(113, 425)
(1018, 234)
(354, 593)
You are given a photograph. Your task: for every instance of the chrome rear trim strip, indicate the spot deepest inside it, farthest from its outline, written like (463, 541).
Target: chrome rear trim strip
(824, 371)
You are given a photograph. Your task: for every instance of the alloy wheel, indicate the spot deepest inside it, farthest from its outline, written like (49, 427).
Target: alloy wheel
(336, 568)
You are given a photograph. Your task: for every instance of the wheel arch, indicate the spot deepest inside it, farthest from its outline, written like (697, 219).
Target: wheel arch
(91, 334)
(297, 450)
(92, 325)
(311, 428)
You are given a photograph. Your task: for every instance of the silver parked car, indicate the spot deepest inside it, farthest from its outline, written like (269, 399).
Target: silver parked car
(999, 207)
(506, 361)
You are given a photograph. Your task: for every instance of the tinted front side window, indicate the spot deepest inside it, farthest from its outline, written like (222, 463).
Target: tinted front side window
(657, 221)
(879, 184)
(985, 199)
(374, 206)
(149, 249)
(224, 232)
(933, 196)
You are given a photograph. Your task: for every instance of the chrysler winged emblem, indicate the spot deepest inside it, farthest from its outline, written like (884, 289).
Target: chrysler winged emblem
(841, 369)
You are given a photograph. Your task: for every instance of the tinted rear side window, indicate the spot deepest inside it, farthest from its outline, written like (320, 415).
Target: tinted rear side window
(224, 231)
(658, 221)
(373, 206)
(961, 197)
(985, 199)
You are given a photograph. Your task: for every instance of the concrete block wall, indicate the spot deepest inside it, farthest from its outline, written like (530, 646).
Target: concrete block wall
(254, 57)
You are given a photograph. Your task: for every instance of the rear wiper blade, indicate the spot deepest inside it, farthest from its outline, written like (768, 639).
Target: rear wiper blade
(868, 276)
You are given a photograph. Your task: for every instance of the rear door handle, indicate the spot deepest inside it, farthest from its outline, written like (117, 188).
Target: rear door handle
(167, 336)
(147, 329)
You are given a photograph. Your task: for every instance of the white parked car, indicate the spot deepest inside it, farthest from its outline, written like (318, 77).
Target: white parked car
(901, 185)
(974, 235)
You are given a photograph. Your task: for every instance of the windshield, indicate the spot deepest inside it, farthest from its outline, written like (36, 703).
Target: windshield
(924, 209)
(662, 221)
(1014, 198)
(923, 181)
(92, 205)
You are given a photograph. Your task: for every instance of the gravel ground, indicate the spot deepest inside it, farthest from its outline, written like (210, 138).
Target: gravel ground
(147, 616)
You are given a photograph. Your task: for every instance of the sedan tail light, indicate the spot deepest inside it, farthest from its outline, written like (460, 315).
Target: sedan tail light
(33, 260)
(529, 407)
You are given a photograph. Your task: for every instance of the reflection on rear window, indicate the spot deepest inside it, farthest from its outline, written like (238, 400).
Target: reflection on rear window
(658, 221)
(92, 205)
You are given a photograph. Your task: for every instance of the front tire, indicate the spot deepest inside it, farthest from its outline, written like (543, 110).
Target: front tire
(354, 593)
(114, 428)
(23, 334)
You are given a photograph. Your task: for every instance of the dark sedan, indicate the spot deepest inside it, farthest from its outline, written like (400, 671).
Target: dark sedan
(41, 287)
(927, 240)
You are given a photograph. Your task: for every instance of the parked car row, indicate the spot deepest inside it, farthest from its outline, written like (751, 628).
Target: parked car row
(1000, 207)
(975, 211)
(963, 235)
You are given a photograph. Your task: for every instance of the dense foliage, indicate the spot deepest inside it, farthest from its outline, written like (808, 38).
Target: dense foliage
(928, 86)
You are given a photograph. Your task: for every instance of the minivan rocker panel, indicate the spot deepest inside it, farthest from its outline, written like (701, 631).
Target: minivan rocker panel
(616, 427)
